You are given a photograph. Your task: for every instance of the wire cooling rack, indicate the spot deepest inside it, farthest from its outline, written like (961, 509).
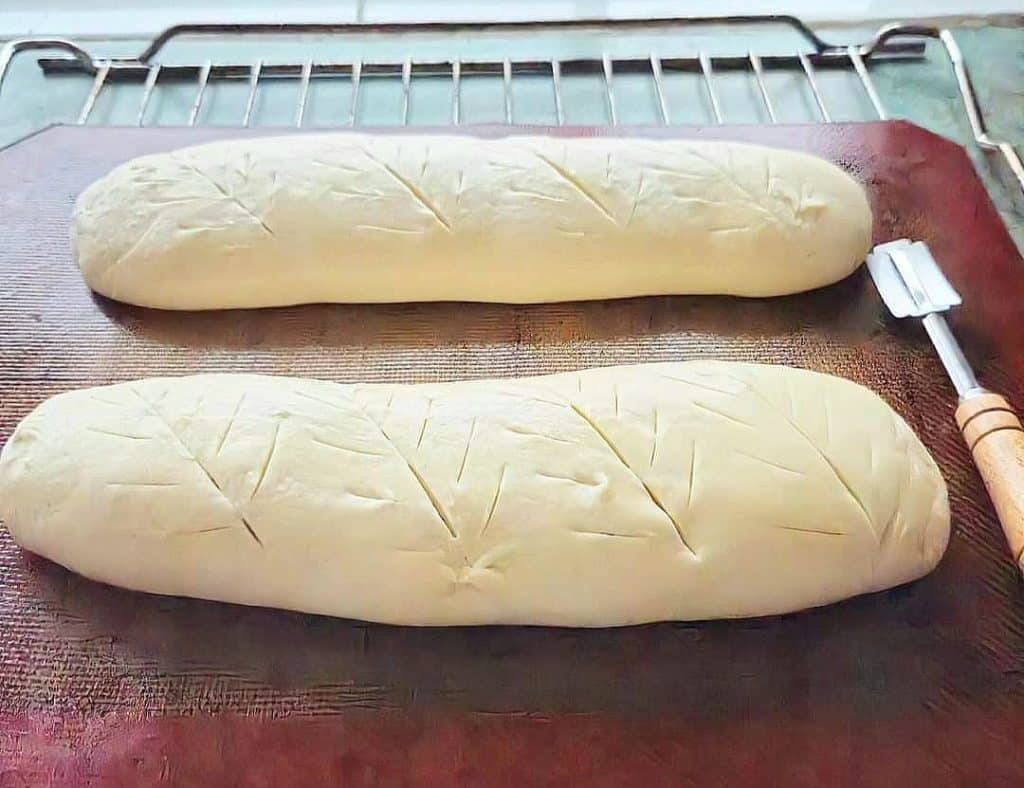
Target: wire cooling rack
(667, 82)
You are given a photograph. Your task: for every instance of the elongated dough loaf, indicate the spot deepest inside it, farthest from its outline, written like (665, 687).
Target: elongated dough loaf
(612, 496)
(351, 218)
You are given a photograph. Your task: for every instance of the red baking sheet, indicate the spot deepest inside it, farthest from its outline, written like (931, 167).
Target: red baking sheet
(922, 685)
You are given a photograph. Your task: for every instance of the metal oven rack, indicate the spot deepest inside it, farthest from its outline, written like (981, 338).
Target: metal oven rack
(894, 42)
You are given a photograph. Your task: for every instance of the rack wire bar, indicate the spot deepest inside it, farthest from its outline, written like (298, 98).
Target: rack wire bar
(204, 78)
(896, 41)
(607, 68)
(659, 88)
(254, 82)
(300, 109)
(756, 65)
(507, 87)
(556, 82)
(147, 92)
(356, 73)
(406, 87)
(867, 82)
(94, 91)
(813, 82)
(456, 92)
(706, 70)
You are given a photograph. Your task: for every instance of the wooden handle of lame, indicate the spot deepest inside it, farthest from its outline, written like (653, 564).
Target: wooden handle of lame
(996, 439)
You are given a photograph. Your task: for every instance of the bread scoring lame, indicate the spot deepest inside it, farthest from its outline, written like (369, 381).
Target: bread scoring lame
(607, 497)
(389, 218)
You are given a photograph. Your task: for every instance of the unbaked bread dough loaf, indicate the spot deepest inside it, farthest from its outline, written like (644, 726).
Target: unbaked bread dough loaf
(612, 496)
(353, 218)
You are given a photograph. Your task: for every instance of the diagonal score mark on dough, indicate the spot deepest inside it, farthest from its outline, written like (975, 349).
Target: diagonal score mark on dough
(434, 502)
(532, 396)
(426, 421)
(199, 531)
(687, 198)
(810, 530)
(697, 384)
(654, 442)
(676, 172)
(824, 457)
(729, 230)
(364, 497)
(891, 522)
(532, 434)
(692, 475)
(124, 256)
(355, 193)
(458, 187)
(335, 165)
(266, 462)
(385, 229)
(150, 407)
(571, 479)
(465, 452)
(618, 455)
(411, 188)
(636, 197)
(231, 422)
(576, 184)
(494, 501)
(534, 194)
(721, 414)
(321, 400)
(228, 196)
(754, 200)
(143, 484)
(340, 447)
(105, 401)
(114, 434)
(769, 463)
(790, 399)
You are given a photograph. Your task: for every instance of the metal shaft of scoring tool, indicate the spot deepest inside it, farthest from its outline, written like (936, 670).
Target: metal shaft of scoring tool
(911, 284)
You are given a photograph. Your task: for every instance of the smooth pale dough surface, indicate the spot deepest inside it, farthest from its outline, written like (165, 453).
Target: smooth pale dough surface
(613, 496)
(354, 218)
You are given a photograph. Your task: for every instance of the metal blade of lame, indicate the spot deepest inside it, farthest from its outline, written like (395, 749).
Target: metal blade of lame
(909, 279)
(911, 284)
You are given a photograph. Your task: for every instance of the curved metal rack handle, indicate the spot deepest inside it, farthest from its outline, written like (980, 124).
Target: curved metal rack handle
(973, 109)
(968, 95)
(12, 48)
(298, 28)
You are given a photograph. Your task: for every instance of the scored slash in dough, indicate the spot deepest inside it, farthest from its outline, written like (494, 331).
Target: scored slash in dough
(613, 496)
(354, 218)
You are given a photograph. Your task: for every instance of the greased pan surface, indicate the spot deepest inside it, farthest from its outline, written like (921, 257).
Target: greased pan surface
(921, 683)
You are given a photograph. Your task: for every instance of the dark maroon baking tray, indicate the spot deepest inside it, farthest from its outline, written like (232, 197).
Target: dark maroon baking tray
(922, 685)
